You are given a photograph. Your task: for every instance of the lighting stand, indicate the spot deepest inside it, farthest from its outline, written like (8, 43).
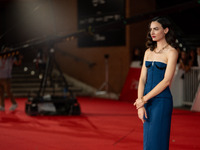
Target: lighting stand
(105, 84)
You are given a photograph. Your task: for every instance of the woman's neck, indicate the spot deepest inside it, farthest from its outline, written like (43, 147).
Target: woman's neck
(161, 44)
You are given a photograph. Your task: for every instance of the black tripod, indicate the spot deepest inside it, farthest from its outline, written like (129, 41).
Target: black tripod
(48, 73)
(43, 104)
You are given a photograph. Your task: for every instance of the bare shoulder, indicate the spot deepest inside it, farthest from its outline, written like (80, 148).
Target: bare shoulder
(172, 54)
(146, 54)
(147, 51)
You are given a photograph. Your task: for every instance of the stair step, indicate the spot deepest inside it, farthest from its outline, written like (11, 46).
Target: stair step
(23, 83)
(20, 81)
(26, 84)
(24, 75)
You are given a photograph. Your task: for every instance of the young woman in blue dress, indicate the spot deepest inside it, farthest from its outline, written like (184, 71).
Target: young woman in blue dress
(154, 102)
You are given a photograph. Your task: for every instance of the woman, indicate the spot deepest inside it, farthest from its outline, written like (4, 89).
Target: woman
(154, 103)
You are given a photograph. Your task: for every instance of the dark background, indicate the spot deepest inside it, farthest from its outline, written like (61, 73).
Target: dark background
(186, 17)
(16, 27)
(106, 12)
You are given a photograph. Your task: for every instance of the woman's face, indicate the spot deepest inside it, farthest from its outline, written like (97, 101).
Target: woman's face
(157, 32)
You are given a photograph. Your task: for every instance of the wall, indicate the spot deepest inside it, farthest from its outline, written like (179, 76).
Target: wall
(65, 17)
(138, 31)
(94, 76)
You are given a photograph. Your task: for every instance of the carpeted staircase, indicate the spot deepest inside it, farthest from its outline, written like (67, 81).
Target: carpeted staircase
(26, 81)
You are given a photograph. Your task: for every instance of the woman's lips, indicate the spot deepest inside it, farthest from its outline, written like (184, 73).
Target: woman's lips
(153, 37)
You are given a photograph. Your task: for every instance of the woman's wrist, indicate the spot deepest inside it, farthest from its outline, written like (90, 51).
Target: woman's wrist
(141, 108)
(144, 100)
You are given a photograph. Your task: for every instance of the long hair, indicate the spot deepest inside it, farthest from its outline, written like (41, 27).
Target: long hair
(170, 36)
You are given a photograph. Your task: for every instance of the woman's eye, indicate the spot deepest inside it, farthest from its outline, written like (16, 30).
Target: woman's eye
(156, 29)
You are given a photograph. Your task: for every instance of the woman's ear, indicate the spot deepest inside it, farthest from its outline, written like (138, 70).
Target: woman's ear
(166, 30)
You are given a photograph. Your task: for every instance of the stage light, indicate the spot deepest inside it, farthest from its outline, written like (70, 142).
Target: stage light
(32, 72)
(25, 69)
(52, 50)
(40, 76)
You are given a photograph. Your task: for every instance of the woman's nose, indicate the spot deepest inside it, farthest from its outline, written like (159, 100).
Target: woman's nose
(152, 32)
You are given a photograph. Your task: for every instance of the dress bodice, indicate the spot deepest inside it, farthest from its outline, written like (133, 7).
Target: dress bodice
(155, 74)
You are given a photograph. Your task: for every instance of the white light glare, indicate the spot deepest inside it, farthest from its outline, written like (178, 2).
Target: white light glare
(25, 69)
(32, 72)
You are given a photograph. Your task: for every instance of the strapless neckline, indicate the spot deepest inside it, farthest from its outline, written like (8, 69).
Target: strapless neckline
(156, 62)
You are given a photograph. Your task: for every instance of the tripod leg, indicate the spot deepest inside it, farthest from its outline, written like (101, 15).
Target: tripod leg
(102, 86)
(105, 84)
(44, 79)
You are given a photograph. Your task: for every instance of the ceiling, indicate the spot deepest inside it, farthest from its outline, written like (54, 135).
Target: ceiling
(186, 18)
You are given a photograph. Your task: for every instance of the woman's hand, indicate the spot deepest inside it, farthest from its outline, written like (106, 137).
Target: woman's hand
(139, 103)
(142, 113)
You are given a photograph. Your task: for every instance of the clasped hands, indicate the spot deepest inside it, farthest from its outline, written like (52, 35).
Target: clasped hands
(139, 103)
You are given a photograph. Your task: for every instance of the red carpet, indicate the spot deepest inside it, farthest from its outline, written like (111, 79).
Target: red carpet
(103, 125)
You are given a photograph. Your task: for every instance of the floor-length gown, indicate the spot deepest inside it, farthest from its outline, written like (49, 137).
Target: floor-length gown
(159, 110)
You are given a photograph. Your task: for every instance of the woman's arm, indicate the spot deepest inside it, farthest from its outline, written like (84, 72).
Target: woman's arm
(142, 81)
(169, 73)
(171, 66)
(143, 77)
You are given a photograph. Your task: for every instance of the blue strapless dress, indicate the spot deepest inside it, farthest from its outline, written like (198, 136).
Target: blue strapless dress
(159, 110)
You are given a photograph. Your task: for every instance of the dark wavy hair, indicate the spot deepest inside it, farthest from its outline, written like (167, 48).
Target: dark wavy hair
(170, 36)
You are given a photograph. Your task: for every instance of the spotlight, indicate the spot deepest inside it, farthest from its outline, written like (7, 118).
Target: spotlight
(25, 69)
(52, 50)
(32, 72)
(40, 76)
